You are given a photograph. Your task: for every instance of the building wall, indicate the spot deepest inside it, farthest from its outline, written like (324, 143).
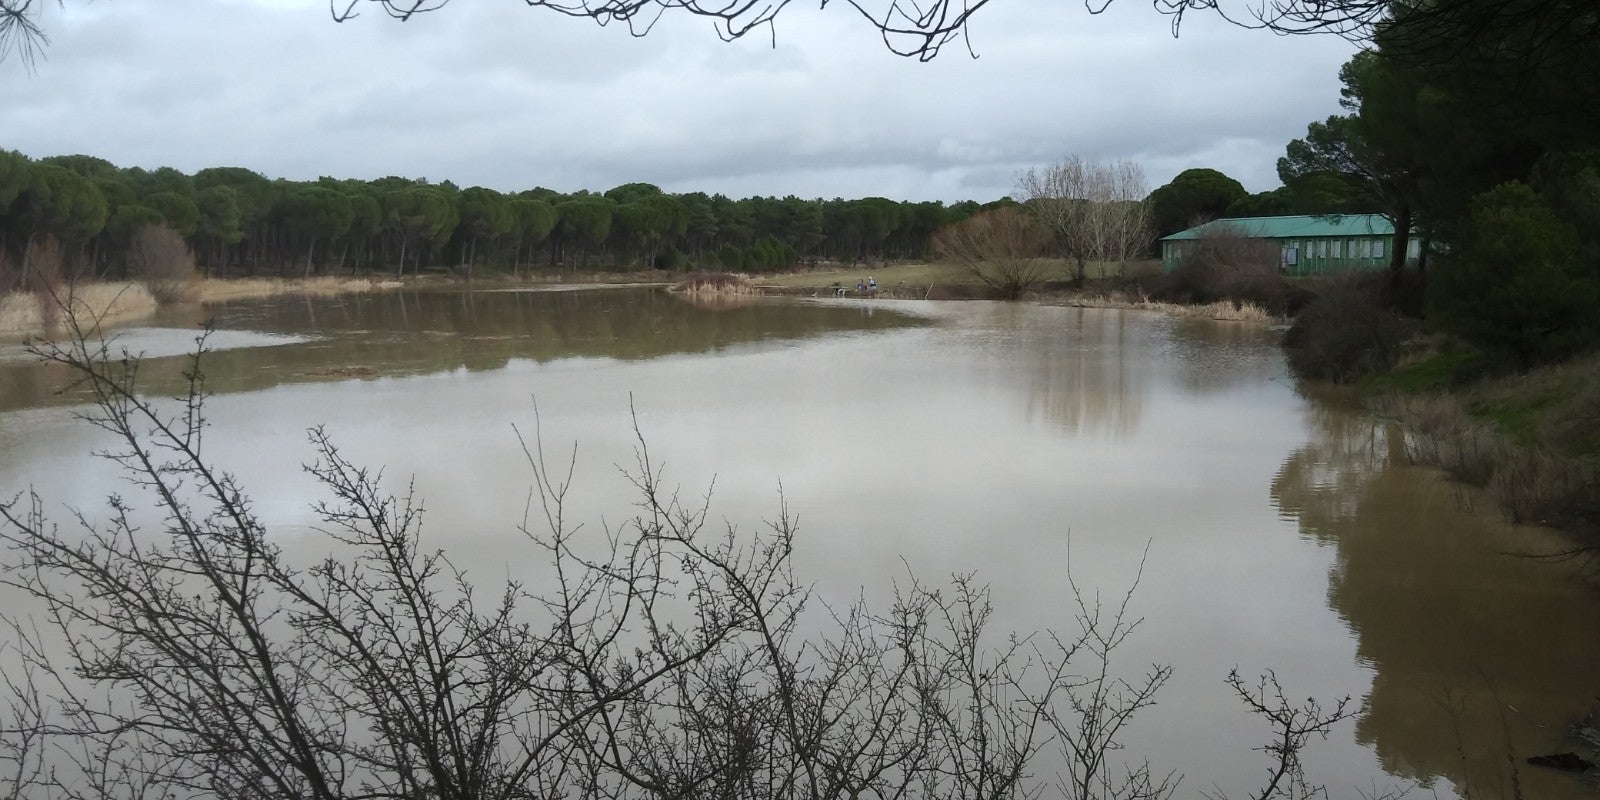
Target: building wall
(1317, 255)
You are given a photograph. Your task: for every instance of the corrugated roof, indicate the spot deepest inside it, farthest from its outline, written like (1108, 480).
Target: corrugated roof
(1300, 225)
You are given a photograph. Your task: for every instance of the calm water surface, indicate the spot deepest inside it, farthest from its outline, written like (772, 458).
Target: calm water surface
(1276, 531)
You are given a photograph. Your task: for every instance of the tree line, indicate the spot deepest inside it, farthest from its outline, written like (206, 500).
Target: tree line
(239, 222)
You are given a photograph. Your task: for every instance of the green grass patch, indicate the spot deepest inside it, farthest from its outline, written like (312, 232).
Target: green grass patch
(1436, 372)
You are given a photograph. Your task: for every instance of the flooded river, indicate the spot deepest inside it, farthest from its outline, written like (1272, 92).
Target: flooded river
(1277, 531)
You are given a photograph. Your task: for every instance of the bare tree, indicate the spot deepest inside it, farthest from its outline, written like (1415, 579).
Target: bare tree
(1003, 248)
(159, 258)
(1095, 210)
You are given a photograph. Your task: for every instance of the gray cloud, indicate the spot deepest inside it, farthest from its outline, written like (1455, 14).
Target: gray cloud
(510, 97)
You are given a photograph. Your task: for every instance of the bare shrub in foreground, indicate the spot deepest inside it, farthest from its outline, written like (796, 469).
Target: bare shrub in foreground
(660, 658)
(160, 259)
(1003, 248)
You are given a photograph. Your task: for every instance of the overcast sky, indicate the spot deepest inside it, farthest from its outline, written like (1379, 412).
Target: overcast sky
(493, 93)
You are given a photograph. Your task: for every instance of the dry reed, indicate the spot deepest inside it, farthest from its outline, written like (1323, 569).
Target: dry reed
(213, 290)
(1225, 310)
(1531, 483)
(724, 283)
(90, 305)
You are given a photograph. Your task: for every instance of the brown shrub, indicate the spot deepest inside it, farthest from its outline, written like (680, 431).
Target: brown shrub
(1530, 484)
(1003, 248)
(1344, 336)
(43, 268)
(160, 259)
(1224, 264)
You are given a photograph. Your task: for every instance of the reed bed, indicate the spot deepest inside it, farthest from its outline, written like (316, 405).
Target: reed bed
(1225, 310)
(89, 305)
(716, 284)
(211, 290)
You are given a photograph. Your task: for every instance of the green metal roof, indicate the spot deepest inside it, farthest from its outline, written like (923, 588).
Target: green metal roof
(1296, 226)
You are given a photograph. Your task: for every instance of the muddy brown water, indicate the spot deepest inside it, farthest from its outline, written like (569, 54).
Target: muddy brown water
(1277, 531)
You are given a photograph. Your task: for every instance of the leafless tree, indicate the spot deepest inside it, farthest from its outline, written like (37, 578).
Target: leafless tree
(1003, 247)
(159, 258)
(1293, 727)
(1095, 210)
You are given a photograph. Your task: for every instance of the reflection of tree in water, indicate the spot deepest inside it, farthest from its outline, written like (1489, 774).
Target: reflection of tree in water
(1089, 375)
(412, 332)
(1455, 630)
(1213, 355)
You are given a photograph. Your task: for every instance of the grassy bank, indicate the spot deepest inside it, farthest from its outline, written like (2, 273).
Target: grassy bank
(25, 314)
(1530, 437)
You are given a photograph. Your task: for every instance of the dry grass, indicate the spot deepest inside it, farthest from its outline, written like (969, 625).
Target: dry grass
(1221, 310)
(716, 284)
(1531, 480)
(91, 305)
(213, 290)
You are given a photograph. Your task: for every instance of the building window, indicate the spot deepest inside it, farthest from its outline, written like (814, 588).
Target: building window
(1322, 249)
(1377, 249)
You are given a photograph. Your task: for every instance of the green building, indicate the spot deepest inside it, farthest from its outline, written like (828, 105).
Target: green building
(1307, 245)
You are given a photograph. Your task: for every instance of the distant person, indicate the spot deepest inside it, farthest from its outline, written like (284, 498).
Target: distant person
(861, 286)
(872, 284)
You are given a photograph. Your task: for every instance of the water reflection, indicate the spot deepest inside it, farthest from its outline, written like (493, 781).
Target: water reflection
(415, 332)
(1088, 376)
(1476, 655)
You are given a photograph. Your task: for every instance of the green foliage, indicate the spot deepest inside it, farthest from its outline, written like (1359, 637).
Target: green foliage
(535, 219)
(1515, 284)
(586, 220)
(161, 179)
(61, 203)
(127, 220)
(320, 212)
(250, 222)
(91, 167)
(670, 258)
(13, 177)
(177, 211)
(418, 214)
(366, 215)
(1194, 196)
(1443, 370)
(253, 193)
(730, 257)
(219, 217)
(486, 213)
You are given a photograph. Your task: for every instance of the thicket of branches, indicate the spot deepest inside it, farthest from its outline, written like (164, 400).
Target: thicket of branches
(1004, 248)
(659, 658)
(1096, 211)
